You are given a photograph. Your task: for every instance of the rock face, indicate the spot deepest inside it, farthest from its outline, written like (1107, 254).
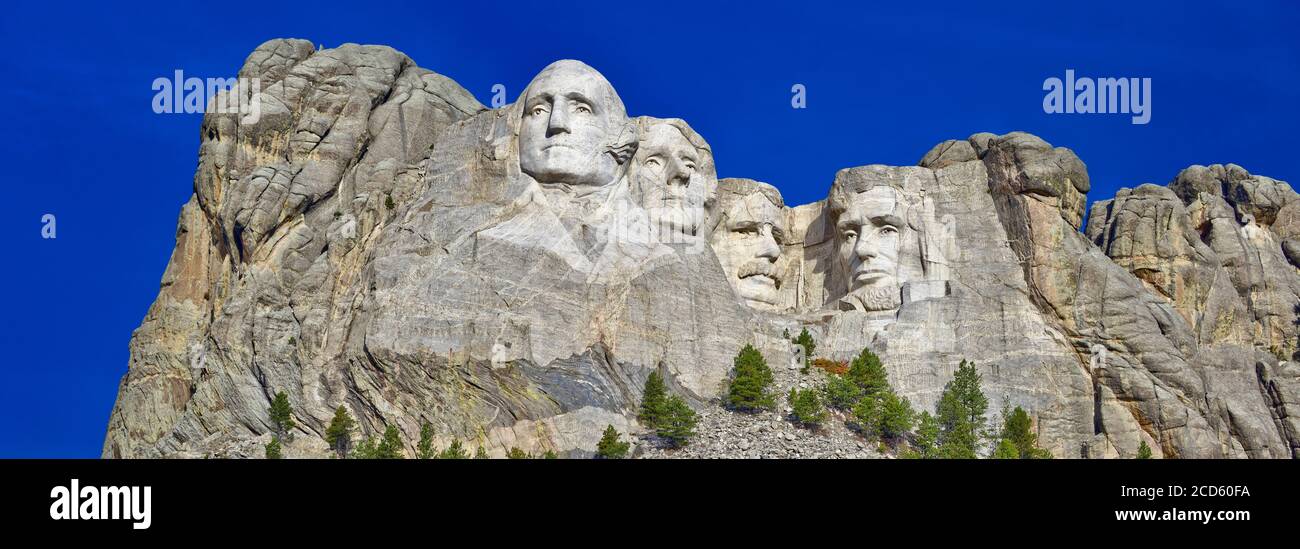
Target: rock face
(377, 239)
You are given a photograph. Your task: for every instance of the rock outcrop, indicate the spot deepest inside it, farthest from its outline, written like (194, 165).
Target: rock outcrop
(377, 239)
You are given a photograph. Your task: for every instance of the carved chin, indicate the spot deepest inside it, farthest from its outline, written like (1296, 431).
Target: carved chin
(758, 290)
(883, 297)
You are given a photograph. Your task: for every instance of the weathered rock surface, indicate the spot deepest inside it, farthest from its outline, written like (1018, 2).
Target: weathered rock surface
(379, 240)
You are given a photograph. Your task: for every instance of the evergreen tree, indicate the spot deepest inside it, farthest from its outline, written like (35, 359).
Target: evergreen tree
(1144, 451)
(424, 448)
(339, 432)
(805, 340)
(281, 415)
(896, 415)
(610, 447)
(1006, 450)
(678, 422)
(652, 400)
(390, 445)
(961, 412)
(927, 436)
(1017, 429)
(273, 449)
(841, 393)
(516, 453)
(550, 454)
(365, 450)
(750, 381)
(480, 453)
(867, 372)
(455, 451)
(866, 414)
(806, 408)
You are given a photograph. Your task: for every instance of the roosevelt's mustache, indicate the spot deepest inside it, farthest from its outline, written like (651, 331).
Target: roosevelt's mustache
(759, 267)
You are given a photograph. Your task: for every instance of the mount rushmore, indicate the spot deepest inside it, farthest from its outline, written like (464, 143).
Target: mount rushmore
(378, 239)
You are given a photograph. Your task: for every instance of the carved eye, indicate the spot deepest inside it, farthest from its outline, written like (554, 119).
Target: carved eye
(539, 110)
(888, 230)
(584, 109)
(653, 161)
(849, 233)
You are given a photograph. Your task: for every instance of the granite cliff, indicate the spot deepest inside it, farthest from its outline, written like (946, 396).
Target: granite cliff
(378, 239)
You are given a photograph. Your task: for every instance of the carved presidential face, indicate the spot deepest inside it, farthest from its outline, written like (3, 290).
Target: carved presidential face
(667, 181)
(571, 116)
(748, 245)
(869, 231)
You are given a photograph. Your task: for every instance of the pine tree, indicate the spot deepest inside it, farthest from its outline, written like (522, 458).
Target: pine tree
(961, 412)
(390, 445)
(1006, 450)
(806, 408)
(281, 415)
(868, 373)
(365, 450)
(927, 436)
(785, 334)
(424, 448)
(339, 432)
(805, 340)
(610, 447)
(841, 393)
(652, 400)
(516, 453)
(480, 453)
(678, 425)
(866, 414)
(550, 454)
(896, 416)
(1144, 451)
(454, 451)
(748, 390)
(273, 449)
(1017, 429)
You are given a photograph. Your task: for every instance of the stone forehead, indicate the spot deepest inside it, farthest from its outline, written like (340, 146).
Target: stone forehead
(573, 72)
(732, 190)
(905, 180)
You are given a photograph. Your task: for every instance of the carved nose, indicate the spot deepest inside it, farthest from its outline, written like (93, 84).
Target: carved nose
(678, 173)
(865, 248)
(769, 249)
(558, 122)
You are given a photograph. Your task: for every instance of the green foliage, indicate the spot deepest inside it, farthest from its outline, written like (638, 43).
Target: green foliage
(805, 340)
(961, 412)
(750, 382)
(652, 400)
(678, 425)
(516, 453)
(1017, 429)
(550, 454)
(841, 393)
(610, 447)
(1006, 450)
(455, 451)
(867, 372)
(927, 436)
(273, 449)
(388, 201)
(365, 450)
(785, 334)
(424, 448)
(866, 414)
(806, 407)
(339, 432)
(896, 416)
(1144, 451)
(390, 445)
(281, 414)
(481, 453)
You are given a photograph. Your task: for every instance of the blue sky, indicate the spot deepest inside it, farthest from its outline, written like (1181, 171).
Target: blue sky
(884, 84)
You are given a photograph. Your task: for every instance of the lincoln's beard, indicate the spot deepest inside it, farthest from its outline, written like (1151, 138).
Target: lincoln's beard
(875, 298)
